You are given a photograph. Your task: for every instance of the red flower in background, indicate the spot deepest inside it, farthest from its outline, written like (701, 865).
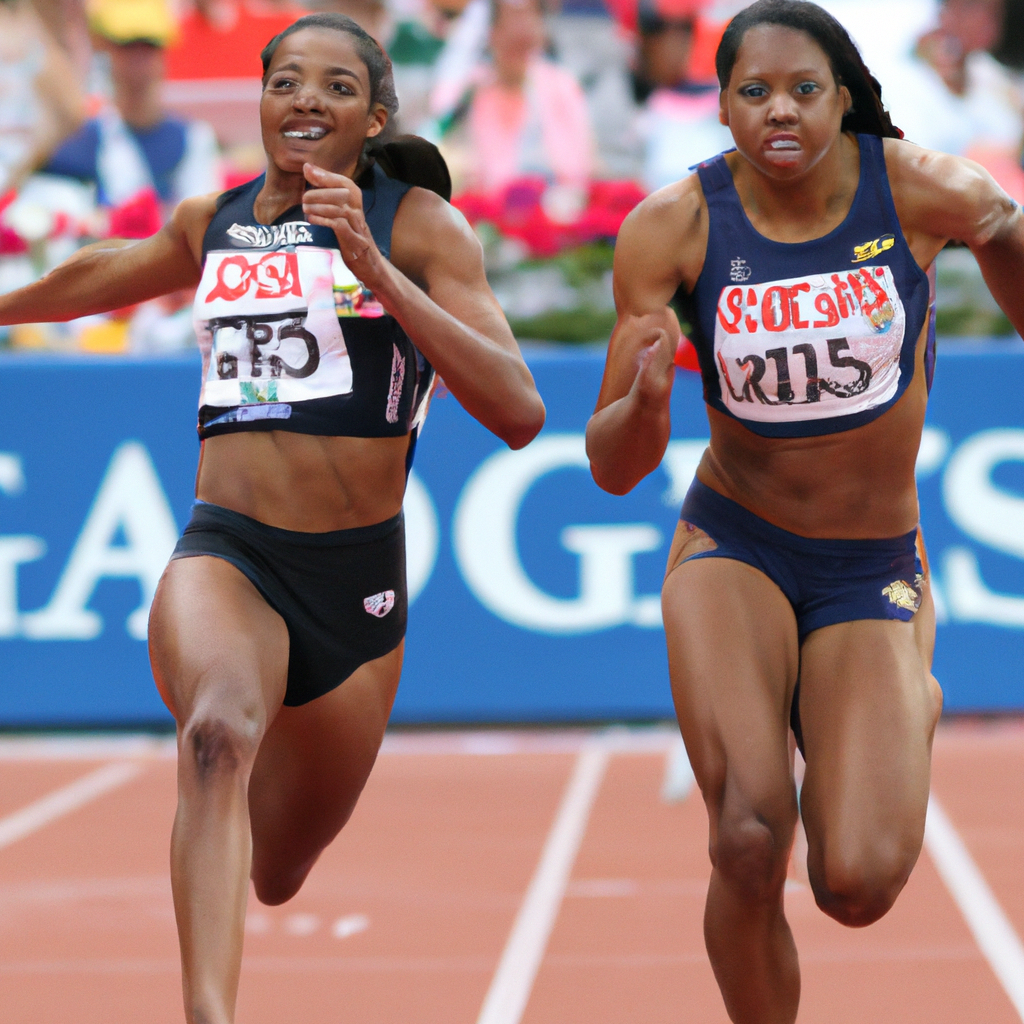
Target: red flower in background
(518, 212)
(140, 217)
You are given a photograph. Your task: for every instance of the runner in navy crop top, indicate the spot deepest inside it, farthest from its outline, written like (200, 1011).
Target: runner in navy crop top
(796, 599)
(327, 293)
(803, 338)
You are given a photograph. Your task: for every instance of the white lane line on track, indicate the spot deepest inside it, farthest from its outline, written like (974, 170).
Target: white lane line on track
(513, 981)
(66, 799)
(679, 778)
(990, 926)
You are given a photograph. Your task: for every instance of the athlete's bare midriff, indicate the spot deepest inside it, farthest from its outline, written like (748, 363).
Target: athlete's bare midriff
(304, 482)
(853, 484)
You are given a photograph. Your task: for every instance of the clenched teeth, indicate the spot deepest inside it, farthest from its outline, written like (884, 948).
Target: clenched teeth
(785, 144)
(313, 134)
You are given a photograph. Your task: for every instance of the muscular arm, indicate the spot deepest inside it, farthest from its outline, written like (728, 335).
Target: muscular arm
(435, 287)
(661, 245)
(116, 272)
(939, 197)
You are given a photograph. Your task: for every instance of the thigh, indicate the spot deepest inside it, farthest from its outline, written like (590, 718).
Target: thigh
(733, 662)
(215, 645)
(868, 706)
(314, 762)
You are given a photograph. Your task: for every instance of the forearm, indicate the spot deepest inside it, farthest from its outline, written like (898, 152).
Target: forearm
(96, 279)
(490, 380)
(626, 440)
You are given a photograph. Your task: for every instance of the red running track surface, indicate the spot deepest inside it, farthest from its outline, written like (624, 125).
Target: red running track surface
(412, 914)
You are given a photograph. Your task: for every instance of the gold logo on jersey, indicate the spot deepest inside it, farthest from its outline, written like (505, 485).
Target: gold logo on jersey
(869, 250)
(903, 595)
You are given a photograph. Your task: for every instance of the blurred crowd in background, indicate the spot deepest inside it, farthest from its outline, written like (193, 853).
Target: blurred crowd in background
(556, 117)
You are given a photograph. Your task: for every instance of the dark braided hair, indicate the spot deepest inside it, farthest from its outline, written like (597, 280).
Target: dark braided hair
(867, 114)
(405, 157)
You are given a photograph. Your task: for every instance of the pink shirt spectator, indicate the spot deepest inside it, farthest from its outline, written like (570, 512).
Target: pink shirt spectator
(542, 129)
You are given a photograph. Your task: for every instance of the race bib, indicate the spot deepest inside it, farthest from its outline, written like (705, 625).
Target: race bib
(810, 347)
(267, 325)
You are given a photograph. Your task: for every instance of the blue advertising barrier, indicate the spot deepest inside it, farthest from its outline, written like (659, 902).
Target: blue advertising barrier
(535, 594)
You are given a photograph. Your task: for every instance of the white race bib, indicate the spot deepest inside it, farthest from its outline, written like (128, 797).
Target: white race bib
(267, 325)
(811, 347)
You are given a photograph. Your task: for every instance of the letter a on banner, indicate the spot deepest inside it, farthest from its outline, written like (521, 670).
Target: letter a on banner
(130, 501)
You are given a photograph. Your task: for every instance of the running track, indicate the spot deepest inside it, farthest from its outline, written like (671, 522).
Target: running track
(493, 878)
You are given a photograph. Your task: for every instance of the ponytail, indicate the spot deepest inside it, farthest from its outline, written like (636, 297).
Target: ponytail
(417, 162)
(866, 115)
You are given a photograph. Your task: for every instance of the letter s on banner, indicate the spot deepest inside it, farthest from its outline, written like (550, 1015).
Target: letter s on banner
(988, 514)
(485, 547)
(131, 499)
(420, 535)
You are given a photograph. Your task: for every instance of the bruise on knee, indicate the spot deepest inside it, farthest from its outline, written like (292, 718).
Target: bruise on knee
(216, 748)
(689, 540)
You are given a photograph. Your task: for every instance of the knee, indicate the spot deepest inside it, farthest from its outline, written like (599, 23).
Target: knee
(273, 886)
(858, 888)
(220, 742)
(752, 855)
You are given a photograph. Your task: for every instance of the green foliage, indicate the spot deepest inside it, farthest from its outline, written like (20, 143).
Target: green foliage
(571, 326)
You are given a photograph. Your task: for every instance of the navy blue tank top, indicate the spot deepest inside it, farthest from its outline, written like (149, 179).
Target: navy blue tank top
(290, 338)
(807, 338)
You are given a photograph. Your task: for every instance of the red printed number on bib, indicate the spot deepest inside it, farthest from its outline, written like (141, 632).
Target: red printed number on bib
(810, 347)
(268, 327)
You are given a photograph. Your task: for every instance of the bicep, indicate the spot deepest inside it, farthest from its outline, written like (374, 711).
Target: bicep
(946, 197)
(644, 281)
(455, 280)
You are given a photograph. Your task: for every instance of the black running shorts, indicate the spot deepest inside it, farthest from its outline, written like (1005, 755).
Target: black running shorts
(341, 594)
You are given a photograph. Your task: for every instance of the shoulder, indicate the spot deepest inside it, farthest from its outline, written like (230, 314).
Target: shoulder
(192, 217)
(665, 236)
(944, 196)
(430, 231)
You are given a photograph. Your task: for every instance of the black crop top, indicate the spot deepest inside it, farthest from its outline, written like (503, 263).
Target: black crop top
(290, 339)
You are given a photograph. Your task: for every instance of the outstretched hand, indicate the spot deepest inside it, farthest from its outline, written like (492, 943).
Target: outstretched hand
(336, 202)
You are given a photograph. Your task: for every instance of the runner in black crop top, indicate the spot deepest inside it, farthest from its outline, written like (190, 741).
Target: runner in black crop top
(794, 595)
(290, 338)
(327, 293)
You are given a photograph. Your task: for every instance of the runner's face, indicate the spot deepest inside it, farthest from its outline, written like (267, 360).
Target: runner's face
(783, 105)
(316, 103)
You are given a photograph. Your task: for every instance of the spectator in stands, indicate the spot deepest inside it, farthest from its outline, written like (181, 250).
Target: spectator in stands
(527, 115)
(679, 124)
(954, 96)
(132, 149)
(40, 104)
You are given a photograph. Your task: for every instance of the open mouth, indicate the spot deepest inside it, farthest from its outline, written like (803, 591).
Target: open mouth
(784, 144)
(310, 134)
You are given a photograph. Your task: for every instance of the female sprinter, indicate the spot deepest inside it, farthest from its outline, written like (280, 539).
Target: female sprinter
(276, 633)
(803, 257)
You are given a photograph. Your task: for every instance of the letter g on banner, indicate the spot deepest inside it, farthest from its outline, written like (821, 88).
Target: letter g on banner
(485, 547)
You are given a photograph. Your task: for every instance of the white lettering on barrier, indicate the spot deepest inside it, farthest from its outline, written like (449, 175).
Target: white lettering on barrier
(12, 476)
(130, 501)
(988, 514)
(421, 536)
(14, 551)
(682, 457)
(484, 539)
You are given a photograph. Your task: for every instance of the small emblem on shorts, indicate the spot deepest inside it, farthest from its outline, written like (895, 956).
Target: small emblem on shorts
(869, 250)
(903, 595)
(380, 604)
(738, 270)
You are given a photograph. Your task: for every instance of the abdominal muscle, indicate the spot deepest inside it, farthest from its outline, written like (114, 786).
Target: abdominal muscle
(855, 484)
(304, 482)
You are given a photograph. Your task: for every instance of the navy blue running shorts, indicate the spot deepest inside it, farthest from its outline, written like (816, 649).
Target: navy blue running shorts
(341, 594)
(826, 581)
